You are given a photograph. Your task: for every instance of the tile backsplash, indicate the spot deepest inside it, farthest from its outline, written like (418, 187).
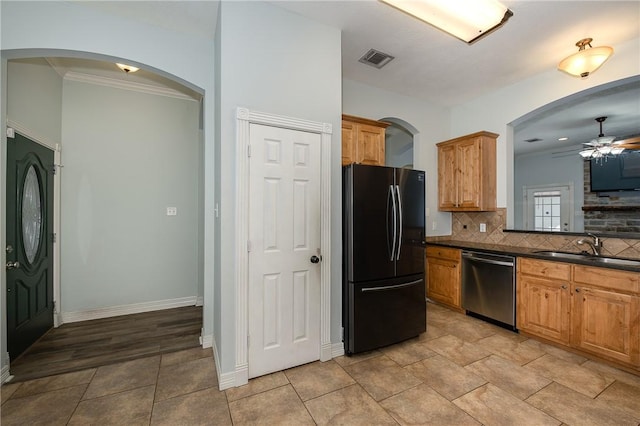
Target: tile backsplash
(466, 227)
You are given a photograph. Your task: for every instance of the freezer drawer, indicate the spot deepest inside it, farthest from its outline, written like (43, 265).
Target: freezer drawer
(382, 313)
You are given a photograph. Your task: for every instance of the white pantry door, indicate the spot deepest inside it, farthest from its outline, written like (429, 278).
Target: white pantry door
(284, 235)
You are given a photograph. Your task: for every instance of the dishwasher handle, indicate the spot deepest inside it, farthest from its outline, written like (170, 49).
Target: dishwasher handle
(475, 258)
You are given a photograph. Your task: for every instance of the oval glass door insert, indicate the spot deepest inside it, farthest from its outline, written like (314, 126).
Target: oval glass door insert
(31, 214)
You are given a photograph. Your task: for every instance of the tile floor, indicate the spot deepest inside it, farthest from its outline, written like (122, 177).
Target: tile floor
(462, 371)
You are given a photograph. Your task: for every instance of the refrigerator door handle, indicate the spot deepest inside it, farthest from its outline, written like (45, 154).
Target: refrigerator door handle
(395, 222)
(400, 220)
(389, 248)
(390, 287)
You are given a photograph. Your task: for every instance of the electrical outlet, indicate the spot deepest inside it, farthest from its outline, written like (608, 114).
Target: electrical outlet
(434, 225)
(483, 227)
(172, 211)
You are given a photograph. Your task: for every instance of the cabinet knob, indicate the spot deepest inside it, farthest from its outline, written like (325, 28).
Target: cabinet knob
(564, 286)
(577, 290)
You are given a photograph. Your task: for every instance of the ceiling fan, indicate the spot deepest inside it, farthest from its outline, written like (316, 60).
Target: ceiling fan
(604, 146)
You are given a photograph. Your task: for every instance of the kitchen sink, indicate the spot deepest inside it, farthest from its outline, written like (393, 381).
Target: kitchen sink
(590, 258)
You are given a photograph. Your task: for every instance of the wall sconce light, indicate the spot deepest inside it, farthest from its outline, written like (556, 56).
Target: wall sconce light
(127, 68)
(466, 20)
(585, 61)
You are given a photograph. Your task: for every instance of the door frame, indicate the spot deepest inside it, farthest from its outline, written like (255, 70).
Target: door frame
(527, 206)
(245, 117)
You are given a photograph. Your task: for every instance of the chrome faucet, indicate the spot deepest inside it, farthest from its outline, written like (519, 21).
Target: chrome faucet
(596, 244)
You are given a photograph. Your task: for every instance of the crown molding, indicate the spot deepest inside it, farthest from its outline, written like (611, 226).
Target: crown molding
(127, 85)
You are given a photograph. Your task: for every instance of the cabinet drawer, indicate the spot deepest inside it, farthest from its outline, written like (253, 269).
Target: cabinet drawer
(542, 268)
(443, 253)
(607, 278)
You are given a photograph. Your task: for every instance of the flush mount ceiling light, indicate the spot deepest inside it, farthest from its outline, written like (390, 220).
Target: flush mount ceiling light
(601, 147)
(466, 20)
(585, 61)
(127, 68)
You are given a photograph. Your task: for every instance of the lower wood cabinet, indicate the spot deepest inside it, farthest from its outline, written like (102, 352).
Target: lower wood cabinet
(443, 275)
(596, 310)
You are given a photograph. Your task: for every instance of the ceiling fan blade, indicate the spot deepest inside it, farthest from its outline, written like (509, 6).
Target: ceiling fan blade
(629, 143)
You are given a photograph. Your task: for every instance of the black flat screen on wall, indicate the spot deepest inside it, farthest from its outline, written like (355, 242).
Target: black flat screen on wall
(617, 173)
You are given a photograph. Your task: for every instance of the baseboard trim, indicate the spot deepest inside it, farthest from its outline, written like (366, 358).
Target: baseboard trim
(225, 380)
(207, 341)
(4, 374)
(337, 349)
(135, 308)
(200, 301)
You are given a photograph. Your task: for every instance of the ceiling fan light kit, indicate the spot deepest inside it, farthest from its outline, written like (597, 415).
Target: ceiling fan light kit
(585, 61)
(467, 20)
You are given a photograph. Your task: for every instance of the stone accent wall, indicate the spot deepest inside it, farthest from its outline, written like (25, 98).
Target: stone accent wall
(616, 212)
(466, 227)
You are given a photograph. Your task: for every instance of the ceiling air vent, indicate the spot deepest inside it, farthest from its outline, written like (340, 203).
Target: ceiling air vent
(533, 140)
(375, 58)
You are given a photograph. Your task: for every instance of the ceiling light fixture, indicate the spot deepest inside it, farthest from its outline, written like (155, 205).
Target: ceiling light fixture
(585, 61)
(127, 68)
(564, 138)
(601, 147)
(466, 20)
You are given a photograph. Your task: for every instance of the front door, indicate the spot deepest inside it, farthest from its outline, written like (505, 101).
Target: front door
(284, 232)
(29, 243)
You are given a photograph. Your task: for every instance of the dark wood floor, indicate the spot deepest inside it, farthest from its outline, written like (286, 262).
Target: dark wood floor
(88, 344)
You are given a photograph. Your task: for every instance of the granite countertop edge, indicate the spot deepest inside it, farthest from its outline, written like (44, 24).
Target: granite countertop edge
(525, 252)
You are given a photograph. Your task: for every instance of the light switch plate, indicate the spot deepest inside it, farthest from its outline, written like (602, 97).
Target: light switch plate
(483, 227)
(172, 211)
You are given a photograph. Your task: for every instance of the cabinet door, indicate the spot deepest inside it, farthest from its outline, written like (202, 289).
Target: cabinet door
(447, 178)
(469, 177)
(443, 281)
(348, 143)
(606, 323)
(370, 145)
(543, 308)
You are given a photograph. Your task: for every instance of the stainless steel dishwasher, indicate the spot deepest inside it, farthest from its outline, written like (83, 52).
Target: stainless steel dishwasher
(488, 286)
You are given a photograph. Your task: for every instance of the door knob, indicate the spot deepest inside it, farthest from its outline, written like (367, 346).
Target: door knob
(13, 265)
(314, 259)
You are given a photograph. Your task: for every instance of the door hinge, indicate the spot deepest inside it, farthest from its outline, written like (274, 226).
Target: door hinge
(248, 150)
(248, 340)
(248, 245)
(54, 237)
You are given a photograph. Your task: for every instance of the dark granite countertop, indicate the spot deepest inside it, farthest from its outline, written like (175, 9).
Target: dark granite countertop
(526, 252)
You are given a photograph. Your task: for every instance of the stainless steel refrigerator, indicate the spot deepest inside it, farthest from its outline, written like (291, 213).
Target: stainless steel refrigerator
(383, 256)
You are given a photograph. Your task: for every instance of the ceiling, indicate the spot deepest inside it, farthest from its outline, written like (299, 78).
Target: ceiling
(429, 64)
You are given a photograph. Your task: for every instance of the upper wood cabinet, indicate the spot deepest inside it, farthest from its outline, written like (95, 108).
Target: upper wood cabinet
(362, 141)
(467, 173)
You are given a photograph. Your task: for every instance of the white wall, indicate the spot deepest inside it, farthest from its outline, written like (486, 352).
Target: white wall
(39, 29)
(398, 150)
(274, 61)
(546, 168)
(494, 111)
(430, 120)
(34, 98)
(127, 156)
